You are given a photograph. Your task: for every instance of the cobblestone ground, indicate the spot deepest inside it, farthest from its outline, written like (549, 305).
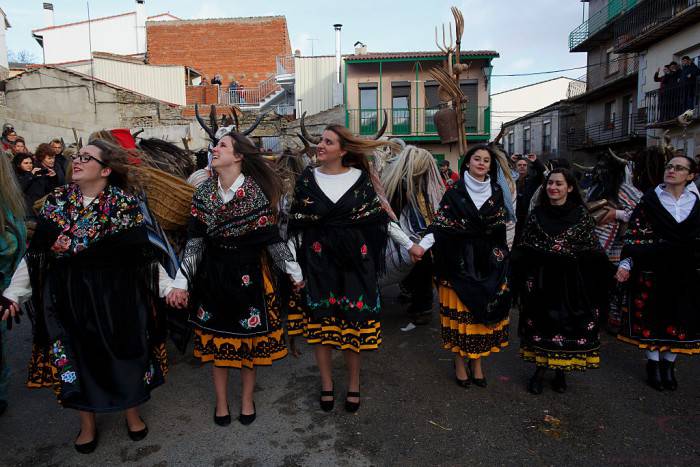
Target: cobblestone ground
(412, 414)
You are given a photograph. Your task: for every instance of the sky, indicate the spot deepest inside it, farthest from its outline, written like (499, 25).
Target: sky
(530, 36)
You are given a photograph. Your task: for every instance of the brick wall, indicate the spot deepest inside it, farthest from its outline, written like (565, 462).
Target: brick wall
(202, 94)
(243, 49)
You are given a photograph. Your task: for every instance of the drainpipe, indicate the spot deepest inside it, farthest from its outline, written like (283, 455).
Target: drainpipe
(337, 53)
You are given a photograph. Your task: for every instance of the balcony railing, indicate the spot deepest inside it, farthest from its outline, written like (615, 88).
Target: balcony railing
(250, 96)
(667, 103)
(577, 87)
(615, 130)
(599, 20)
(411, 122)
(285, 64)
(651, 20)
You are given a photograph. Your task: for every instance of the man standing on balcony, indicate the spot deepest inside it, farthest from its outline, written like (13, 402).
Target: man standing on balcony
(688, 77)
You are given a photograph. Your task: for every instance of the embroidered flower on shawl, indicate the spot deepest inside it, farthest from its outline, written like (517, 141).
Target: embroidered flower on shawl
(61, 245)
(263, 221)
(69, 376)
(245, 280)
(240, 193)
(363, 250)
(253, 321)
(316, 247)
(203, 316)
(148, 376)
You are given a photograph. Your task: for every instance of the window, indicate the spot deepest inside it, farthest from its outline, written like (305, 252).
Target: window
(611, 63)
(368, 108)
(400, 107)
(547, 137)
(511, 143)
(470, 89)
(526, 141)
(432, 105)
(609, 117)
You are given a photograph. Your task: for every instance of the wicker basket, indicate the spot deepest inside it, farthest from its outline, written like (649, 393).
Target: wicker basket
(169, 197)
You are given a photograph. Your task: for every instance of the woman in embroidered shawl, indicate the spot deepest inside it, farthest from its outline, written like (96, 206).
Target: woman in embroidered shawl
(13, 235)
(233, 243)
(661, 265)
(471, 265)
(562, 273)
(339, 229)
(99, 337)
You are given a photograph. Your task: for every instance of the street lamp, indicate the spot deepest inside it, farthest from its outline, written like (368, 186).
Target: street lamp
(487, 69)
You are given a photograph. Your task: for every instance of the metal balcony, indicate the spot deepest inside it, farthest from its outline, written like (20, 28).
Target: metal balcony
(664, 105)
(609, 132)
(653, 20)
(597, 25)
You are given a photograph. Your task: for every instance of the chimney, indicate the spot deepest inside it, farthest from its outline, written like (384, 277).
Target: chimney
(48, 15)
(337, 52)
(140, 26)
(360, 48)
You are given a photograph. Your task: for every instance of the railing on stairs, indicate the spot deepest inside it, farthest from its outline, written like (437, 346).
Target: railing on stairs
(243, 96)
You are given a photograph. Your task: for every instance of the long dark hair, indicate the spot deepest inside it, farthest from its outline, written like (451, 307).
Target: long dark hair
(573, 197)
(18, 159)
(255, 166)
(116, 158)
(493, 165)
(357, 149)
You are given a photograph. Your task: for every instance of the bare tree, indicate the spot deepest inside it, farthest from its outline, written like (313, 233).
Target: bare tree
(21, 56)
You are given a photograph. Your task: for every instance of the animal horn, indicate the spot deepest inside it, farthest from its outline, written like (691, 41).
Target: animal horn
(212, 134)
(134, 135)
(255, 123)
(234, 112)
(499, 136)
(80, 143)
(383, 128)
(212, 119)
(583, 167)
(307, 136)
(616, 157)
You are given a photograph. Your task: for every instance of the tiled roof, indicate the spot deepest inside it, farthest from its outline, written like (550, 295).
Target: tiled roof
(390, 55)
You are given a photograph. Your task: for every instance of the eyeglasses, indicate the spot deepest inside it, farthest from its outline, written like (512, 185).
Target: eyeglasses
(85, 158)
(676, 167)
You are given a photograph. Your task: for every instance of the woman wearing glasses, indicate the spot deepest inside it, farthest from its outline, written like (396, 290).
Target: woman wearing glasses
(661, 259)
(93, 279)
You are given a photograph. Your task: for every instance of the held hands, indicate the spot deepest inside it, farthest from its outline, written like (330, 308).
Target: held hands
(9, 310)
(297, 286)
(608, 217)
(622, 275)
(416, 252)
(177, 298)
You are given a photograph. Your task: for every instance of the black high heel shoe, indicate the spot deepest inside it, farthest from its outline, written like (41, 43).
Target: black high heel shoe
(247, 419)
(463, 383)
(481, 382)
(327, 406)
(224, 420)
(352, 407)
(86, 448)
(137, 435)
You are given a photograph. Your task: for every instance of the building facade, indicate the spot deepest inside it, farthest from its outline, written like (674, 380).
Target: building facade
(4, 65)
(400, 85)
(122, 34)
(515, 103)
(545, 132)
(613, 118)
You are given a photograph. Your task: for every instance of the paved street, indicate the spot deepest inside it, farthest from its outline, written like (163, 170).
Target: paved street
(412, 414)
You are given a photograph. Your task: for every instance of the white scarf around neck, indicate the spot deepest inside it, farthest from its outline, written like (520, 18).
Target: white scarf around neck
(479, 192)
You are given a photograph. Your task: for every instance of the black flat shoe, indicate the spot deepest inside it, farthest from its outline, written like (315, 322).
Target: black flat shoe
(559, 382)
(654, 375)
(668, 375)
(137, 435)
(481, 382)
(86, 448)
(224, 420)
(352, 407)
(327, 406)
(247, 419)
(463, 383)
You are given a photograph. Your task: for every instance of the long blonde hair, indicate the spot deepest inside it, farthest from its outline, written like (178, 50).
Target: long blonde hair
(416, 166)
(11, 196)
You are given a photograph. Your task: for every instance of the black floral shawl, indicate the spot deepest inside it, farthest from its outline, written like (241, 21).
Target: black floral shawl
(341, 247)
(471, 253)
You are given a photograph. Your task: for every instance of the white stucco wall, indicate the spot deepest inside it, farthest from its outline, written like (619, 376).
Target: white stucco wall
(513, 104)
